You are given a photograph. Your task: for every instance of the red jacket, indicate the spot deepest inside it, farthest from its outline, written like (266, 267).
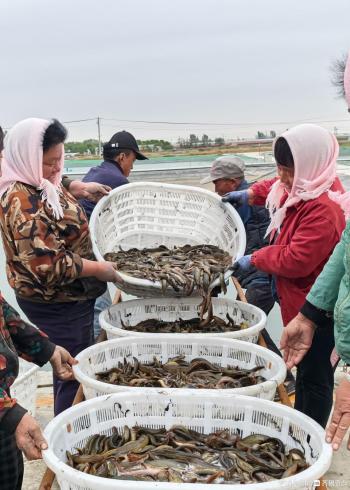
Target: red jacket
(309, 233)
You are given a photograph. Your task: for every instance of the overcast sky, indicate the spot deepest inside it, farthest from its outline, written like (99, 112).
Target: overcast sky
(248, 63)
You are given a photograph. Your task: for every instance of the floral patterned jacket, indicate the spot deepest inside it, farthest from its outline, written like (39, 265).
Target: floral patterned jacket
(17, 338)
(44, 255)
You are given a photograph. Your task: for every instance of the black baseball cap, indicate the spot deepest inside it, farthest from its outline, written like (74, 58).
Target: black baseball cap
(125, 141)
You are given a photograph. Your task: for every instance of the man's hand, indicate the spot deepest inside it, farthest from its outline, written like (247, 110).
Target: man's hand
(29, 437)
(62, 362)
(297, 339)
(92, 191)
(341, 416)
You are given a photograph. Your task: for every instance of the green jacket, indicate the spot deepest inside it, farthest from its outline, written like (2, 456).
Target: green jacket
(331, 292)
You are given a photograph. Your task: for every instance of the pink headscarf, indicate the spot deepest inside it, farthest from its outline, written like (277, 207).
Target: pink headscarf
(23, 162)
(315, 151)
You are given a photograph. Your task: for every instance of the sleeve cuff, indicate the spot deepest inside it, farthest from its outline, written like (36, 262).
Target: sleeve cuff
(12, 418)
(253, 259)
(321, 318)
(66, 182)
(45, 354)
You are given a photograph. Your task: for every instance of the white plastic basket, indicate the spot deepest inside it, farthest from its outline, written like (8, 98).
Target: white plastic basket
(148, 214)
(24, 389)
(206, 413)
(171, 309)
(221, 352)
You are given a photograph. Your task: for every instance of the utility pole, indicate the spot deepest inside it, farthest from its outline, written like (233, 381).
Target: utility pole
(99, 135)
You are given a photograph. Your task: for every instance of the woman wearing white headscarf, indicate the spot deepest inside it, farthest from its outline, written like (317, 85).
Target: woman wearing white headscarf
(50, 263)
(306, 224)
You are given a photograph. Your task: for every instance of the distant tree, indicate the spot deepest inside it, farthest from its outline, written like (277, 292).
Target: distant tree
(162, 144)
(205, 139)
(193, 139)
(183, 143)
(81, 146)
(166, 145)
(272, 134)
(219, 141)
(260, 135)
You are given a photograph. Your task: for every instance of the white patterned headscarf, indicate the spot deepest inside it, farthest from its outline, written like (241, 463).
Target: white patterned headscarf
(315, 151)
(23, 162)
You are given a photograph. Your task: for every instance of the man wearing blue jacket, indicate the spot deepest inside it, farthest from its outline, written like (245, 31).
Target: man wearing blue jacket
(119, 155)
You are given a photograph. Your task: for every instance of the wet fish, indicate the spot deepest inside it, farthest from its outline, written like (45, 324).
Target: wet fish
(176, 373)
(180, 268)
(193, 325)
(182, 455)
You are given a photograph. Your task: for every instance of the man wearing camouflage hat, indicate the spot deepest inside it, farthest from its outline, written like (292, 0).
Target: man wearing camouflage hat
(227, 175)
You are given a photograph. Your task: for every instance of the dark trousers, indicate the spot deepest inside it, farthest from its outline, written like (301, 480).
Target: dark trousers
(11, 463)
(69, 325)
(315, 378)
(260, 295)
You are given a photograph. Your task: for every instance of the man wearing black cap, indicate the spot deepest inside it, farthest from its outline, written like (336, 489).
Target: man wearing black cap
(119, 155)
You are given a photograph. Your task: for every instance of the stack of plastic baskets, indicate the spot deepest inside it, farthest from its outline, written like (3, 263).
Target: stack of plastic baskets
(205, 413)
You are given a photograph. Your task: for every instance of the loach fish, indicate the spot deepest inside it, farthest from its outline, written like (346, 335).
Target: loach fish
(182, 455)
(176, 373)
(211, 324)
(181, 268)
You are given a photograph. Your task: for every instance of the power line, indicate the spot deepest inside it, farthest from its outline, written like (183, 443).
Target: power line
(205, 124)
(80, 120)
(67, 122)
(256, 123)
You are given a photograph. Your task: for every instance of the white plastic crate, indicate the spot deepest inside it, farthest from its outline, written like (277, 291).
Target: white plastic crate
(24, 389)
(221, 352)
(148, 214)
(171, 309)
(205, 413)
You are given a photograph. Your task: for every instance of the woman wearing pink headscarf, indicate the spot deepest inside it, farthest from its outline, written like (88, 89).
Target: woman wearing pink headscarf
(50, 263)
(306, 224)
(329, 298)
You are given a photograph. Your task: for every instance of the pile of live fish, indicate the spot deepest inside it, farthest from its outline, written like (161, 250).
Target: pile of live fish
(182, 268)
(182, 455)
(178, 373)
(211, 324)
